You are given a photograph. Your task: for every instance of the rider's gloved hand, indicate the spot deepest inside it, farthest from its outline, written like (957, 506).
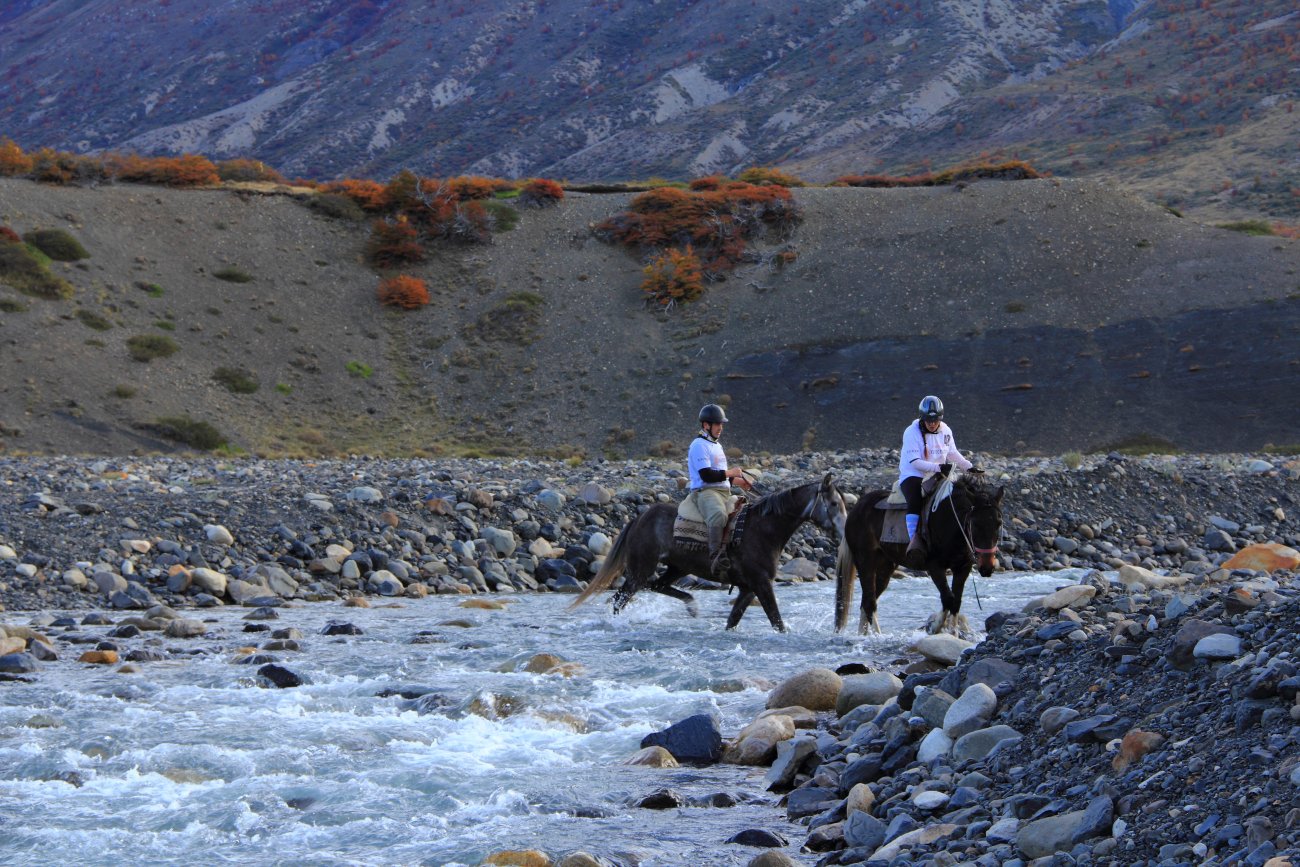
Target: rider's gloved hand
(945, 469)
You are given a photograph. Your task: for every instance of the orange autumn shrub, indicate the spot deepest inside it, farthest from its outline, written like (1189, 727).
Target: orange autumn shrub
(370, 195)
(673, 276)
(248, 170)
(541, 193)
(9, 235)
(1012, 170)
(717, 223)
(392, 243)
(187, 170)
(13, 162)
(768, 175)
(474, 187)
(409, 293)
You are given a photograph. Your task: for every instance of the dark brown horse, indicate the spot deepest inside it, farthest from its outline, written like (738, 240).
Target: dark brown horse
(963, 532)
(648, 540)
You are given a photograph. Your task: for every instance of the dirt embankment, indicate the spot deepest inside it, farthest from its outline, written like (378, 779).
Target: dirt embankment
(1049, 315)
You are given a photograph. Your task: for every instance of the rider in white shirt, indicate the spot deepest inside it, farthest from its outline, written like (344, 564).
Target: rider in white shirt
(928, 448)
(711, 483)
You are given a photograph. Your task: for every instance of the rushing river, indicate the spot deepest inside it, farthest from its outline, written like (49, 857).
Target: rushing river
(190, 761)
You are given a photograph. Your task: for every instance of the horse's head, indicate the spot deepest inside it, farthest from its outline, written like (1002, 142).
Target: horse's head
(985, 527)
(827, 508)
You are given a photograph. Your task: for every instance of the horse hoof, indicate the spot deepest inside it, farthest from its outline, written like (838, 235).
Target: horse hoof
(934, 625)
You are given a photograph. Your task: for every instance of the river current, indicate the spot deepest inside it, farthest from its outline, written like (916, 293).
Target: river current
(192, 761)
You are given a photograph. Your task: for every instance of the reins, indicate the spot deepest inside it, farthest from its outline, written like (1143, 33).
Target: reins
(971, 548)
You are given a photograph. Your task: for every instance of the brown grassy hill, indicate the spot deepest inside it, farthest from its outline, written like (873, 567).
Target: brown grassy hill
(1048, 314)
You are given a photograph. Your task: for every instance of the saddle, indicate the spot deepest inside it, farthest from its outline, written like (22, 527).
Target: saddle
(893, 527)
(690, 533)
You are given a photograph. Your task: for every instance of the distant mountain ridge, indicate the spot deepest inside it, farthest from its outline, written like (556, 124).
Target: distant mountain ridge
(1190, 102)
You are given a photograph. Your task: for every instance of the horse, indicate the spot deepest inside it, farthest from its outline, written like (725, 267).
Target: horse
(963, 531)
(648, 540)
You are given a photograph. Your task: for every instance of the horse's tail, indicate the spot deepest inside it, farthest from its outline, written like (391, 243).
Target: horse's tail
(845, 573)
(615, 563)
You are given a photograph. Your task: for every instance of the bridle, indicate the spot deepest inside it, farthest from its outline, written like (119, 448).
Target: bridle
(965, 526)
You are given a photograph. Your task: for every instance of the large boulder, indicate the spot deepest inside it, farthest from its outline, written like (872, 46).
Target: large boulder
(1044, 837)
(859, 689)
(971, 711)
(695, 740)
(815, 689)
(756, 743)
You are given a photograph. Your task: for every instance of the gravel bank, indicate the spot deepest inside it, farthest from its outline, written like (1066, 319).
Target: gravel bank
(131, 533)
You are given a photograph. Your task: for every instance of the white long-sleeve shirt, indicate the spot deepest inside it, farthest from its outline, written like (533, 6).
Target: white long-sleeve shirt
(923, 451)
(706, 454)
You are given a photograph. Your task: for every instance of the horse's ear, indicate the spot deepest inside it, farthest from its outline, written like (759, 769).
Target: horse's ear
(826, 482)
(997, 497)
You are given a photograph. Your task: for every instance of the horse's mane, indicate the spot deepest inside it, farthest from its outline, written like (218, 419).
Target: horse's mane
(974, 487)
(778, 503)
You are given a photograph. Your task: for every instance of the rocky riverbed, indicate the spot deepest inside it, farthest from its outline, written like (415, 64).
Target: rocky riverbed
(1145, 714)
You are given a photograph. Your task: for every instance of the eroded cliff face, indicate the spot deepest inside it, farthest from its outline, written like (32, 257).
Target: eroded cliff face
(624, 90)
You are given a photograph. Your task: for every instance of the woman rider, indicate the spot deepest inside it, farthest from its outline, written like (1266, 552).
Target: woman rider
(710, 481)
(928, 445)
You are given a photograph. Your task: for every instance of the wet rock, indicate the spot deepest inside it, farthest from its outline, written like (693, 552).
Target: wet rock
(280, 676)
(759, 838)
(694, 740)
(814, 689)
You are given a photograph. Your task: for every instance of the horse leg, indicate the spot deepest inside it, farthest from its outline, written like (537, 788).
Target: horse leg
(958, 623)
(664, 584)
(880, 573)
(738, 607)
(939, 620)
(640, 572)
(767, 596)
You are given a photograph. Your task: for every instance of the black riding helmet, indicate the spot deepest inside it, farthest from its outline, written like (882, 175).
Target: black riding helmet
(711, 413)
(931, 408)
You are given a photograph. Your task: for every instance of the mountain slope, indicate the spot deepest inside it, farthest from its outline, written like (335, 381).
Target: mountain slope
(1048, 314)
(1152, 93)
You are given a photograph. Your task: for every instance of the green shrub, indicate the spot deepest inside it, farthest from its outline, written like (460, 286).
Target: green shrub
(27, 269)
(283, 387)
(1248, 227)
(12, 305)
(57, 244)
(334, 205)
(232, 274)
(124, 391)
(91, 319)
(236, 380)
(514, 320)
(164, 324)
(504, 217)
(153, 290)
(193, 433)
(360, 369)
(146, 347)
(1073, 460)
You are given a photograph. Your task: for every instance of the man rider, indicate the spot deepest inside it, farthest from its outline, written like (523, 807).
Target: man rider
(928, 448)
(710, 482)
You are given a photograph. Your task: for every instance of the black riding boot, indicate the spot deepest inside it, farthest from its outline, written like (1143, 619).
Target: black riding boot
(914, 558)
(719, 562)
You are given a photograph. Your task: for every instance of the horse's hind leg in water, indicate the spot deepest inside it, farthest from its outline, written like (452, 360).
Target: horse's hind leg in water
(664, 584)
(642, 561)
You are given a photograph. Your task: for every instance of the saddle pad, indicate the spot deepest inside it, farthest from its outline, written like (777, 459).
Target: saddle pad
(893, 527)
(693, 535)
(895, 500)
(687, 509)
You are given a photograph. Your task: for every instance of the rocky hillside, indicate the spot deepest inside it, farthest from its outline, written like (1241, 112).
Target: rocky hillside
(1050, 315)
(1191, 101)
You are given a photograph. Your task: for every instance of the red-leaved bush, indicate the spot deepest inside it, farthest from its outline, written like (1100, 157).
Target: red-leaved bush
(187, 170)
(716, 223)
(248, 170)
(1013, 170)
(393, 242)
(9, 235)
(540, 193)
(673, 276)
(409, 293)
(370, 195)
